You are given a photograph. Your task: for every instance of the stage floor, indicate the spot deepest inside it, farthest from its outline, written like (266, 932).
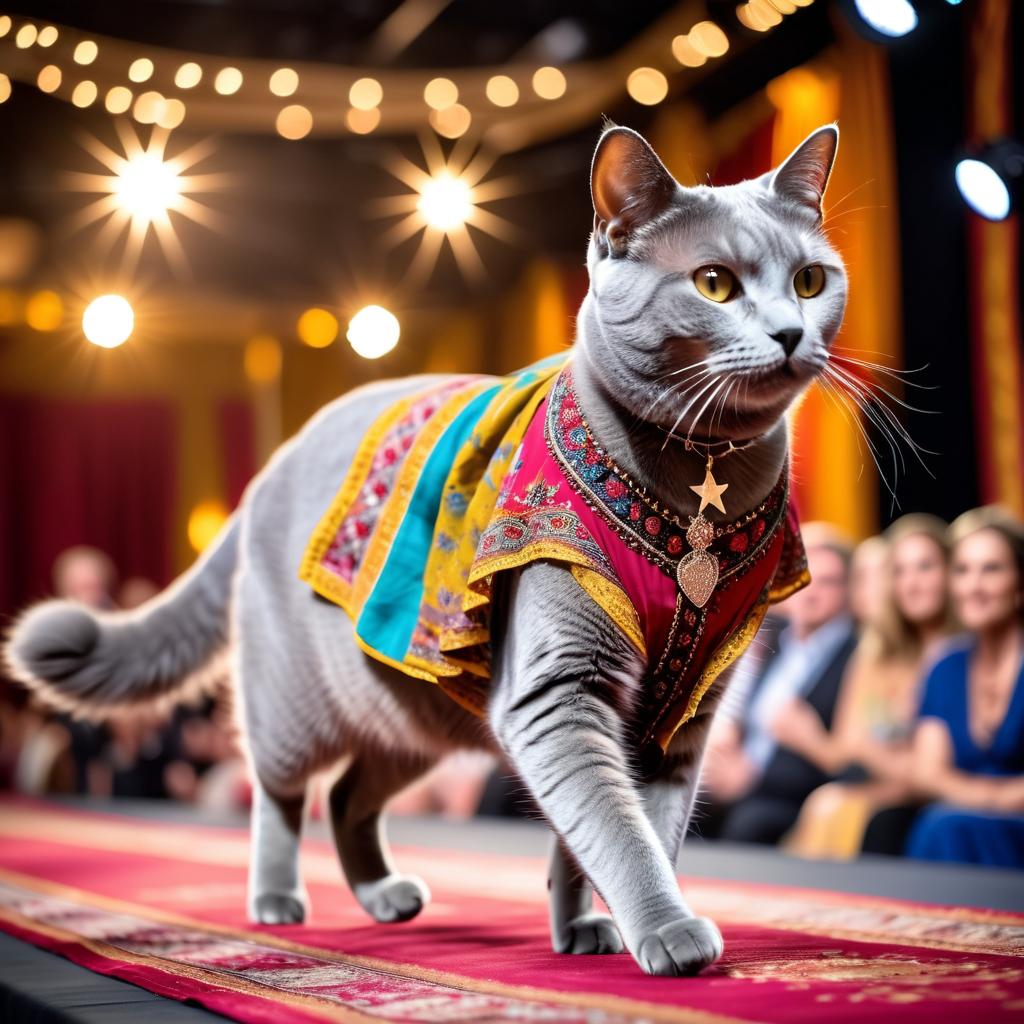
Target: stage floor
(36, 985)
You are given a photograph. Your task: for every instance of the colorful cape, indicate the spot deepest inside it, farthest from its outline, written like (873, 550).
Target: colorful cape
(479, 475)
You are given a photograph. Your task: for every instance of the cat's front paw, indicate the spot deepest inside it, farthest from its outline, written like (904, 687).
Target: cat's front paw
(393, 899)
(681, 948)
(277, 908)
(588, 933)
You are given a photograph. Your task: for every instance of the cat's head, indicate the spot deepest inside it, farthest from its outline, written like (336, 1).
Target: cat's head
(710, 308)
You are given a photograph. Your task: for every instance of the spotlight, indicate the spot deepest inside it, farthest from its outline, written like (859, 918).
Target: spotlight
(445, 201)
(373, 332)
(108, 321)
(882, 20)
(988, 179)
(147, 187)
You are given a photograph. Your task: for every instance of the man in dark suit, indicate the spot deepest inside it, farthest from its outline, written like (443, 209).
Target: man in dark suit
(757, 785)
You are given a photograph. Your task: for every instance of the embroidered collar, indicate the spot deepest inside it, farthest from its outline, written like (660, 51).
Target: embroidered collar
(640, 519)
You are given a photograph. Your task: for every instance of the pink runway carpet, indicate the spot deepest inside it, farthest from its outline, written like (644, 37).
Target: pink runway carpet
(163, 906)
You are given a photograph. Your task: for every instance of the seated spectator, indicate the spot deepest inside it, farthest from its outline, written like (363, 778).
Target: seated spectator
(869, 745)
(869, 581)
(756, 783)
(969, 744)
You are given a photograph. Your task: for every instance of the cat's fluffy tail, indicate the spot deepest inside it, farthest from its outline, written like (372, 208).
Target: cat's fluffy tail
(90, 662)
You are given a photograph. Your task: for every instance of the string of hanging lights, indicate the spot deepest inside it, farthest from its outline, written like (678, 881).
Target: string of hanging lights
(508, 106)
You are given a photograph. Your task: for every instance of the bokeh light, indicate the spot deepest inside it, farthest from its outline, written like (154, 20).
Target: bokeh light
(502, 91)
(317, 327)
(108, 321)
(228, 81)
(44, 311)
(373, 332)
(647, 85)
(48, 78)
(26, 37)
(262, 359)
(5, 88)
(365, 93)
(188, 76)
(708, 39)
(141, 70)
(440, 93)
(119, 99)
(684, 52)
(284, 82)
(86, 51)
(362, 122)
(84, 94)
(549, 83)
(294, 122)
(47, 35)
(205, 522)
(452, 122)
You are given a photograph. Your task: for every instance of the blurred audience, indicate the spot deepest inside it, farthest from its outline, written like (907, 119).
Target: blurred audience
(868, 748)
(852, 723)
(968, 753)
(756, 772)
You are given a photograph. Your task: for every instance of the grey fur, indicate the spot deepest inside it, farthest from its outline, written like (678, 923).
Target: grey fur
(565, 680)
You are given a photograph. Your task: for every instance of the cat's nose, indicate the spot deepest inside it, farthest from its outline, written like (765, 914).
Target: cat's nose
(788, 338)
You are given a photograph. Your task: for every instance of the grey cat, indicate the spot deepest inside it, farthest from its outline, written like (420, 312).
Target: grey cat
(709, 311)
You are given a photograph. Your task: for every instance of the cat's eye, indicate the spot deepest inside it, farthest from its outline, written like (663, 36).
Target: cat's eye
(716, 283)
(809, 281)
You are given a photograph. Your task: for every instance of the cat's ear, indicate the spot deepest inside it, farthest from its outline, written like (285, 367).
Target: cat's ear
(803, 176)
(629, 186)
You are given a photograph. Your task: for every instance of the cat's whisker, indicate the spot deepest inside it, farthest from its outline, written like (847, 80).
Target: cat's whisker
(863, 388)
(668, 391)
(686, 408)
(870, 383)
(708, 401)
(888, 371)
(838, 399)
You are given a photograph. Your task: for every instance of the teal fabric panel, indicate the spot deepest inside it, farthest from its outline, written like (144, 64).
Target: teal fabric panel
(392, 609)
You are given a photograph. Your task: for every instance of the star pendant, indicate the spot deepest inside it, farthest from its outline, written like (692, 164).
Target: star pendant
(710, 492)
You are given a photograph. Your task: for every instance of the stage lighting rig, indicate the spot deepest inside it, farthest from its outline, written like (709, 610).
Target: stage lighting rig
(991, 178)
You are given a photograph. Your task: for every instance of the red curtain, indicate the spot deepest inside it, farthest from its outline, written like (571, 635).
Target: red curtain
(238, 446)
(73, 472)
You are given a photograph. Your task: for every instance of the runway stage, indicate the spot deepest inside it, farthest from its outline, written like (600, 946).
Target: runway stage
(160, 904)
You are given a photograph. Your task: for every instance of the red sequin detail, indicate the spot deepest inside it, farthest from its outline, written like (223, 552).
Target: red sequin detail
(757, 530)
(634, 511)
(652, 524)
(674, 545)
(614, 487)
(739, 542)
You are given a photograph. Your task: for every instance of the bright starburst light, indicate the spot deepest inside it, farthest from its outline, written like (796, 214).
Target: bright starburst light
(444, 202)
(143, 189)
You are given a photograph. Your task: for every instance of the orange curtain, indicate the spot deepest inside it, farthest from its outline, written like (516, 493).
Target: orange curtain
(835, 477)
(995, 275)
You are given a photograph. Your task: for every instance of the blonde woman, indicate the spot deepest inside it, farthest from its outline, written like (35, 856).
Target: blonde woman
(869, 746)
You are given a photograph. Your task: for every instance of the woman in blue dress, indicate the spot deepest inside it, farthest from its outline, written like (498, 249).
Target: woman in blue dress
(969, 743)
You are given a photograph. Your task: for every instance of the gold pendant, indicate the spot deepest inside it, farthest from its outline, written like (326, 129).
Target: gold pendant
(697, 573)
(710, 492)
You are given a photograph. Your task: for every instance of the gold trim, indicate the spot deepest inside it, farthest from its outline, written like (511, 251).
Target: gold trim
(328, 1010)
(614, 601)
(311, 571)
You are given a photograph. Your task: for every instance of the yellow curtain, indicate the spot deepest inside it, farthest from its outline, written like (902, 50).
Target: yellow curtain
(835, 476)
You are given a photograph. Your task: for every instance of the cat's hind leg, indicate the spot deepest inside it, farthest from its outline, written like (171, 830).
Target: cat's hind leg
(357, 801)
(276, 892)
(575, 927)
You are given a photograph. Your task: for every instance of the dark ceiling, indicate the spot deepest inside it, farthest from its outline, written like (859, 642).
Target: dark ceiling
(294, 224)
